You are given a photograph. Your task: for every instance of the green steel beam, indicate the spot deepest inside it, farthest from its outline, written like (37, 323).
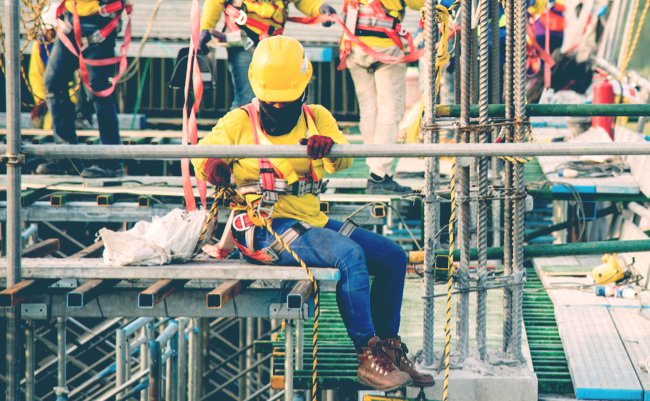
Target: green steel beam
(556, 110)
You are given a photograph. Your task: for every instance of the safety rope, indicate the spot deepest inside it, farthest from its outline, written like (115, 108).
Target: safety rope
(450, 283)
(637, 33)
(237, 202)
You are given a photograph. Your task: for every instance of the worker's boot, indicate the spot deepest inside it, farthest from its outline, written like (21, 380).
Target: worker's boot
(376, 369)
(397, 351)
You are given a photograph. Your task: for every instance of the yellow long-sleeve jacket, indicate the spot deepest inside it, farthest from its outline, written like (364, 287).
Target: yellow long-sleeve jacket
(84, 7)
(235, 129)
(273, 13)
(395, 9)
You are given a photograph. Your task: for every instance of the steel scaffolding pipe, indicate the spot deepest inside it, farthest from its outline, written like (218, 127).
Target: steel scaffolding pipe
(160, 152)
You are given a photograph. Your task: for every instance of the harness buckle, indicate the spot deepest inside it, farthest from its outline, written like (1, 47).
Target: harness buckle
(241, 18)
(103, 12)
(95, 38)
(239, 222)
(402, 31)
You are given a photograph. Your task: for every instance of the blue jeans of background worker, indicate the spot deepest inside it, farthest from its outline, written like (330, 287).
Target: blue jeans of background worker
(238, 62)
(60, 70)
(367, 310)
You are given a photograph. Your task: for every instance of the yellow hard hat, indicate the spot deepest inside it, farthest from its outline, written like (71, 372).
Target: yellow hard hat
(279, 70)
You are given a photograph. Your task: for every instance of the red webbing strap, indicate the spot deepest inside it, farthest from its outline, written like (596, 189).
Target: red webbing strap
(267, 176)
(413, 54)
(535, 52)
(190, 127)
(104, 32)
(310, 115)
(256, 255)
(547, 47)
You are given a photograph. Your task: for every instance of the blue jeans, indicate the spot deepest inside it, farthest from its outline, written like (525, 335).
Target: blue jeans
(366, 310)
(238, 62)
(60, 70)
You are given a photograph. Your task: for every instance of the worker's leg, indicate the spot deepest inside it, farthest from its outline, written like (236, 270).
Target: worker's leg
(390, 81)
(58, 74)
(364, 87)
(238, 62)
(105, 107)
(386, 261)
(320, 247)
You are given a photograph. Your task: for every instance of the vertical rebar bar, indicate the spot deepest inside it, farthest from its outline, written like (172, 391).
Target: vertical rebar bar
(61, 389)
(495, 96)
(463, 165)
(288, 361)
(507, 203)
(30, 362)
(482, 220)
(182, 361)
(431, 168)
(519, 207)
(12, 96)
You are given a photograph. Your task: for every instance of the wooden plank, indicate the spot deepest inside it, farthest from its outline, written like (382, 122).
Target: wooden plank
(597, 360)
(94, 268)
(634, 330)
(43, 248)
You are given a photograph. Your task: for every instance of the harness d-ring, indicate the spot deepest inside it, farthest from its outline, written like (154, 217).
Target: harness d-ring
(241, 18)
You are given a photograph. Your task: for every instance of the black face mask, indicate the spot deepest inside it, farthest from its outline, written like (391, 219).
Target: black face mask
(276, 122)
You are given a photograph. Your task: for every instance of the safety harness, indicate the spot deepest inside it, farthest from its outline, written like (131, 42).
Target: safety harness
(108, 9)
(238, 26)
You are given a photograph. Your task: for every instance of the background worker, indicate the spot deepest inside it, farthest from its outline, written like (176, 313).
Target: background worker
(279, 74)
(380, 87)
(247, 22)
(60, 70)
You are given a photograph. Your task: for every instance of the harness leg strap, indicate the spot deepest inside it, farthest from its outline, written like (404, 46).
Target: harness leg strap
(348, 228)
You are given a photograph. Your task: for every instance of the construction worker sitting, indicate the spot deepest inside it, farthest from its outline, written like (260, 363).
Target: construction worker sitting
(246, 23)
(286, 190)
(380, 86)
(98, 25)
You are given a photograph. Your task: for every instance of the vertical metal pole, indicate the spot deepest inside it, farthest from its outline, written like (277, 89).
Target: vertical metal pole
(155, 370)
(61, 389)
(192, 367)
(174, 364)
(260, 368)
(144, 359)
(300, 346)
(204, 360)
(507, 206)
(518, 175)
(495, 94)
(12, 96)
(288, 361)
(431, 170)
(30, 362)
(463, 180)
(242, 359)
(182, 361)
(250, 337)
(120, 359)
(483, 164)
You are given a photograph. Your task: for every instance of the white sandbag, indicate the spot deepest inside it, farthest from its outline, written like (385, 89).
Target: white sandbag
(172, 237)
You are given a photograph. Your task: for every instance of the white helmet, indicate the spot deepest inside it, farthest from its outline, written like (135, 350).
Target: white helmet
(49, 14)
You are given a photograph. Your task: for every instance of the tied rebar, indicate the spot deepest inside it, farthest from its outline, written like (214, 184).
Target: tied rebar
(495, 96)
(482, 220)
(430, 135)
(463, 182)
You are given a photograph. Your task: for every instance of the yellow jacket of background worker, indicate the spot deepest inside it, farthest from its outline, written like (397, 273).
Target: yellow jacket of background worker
(84, 7)
(395, 9)
(273, 13)
(235, 129)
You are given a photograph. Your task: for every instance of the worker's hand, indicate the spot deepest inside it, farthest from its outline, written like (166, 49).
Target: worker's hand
(220, 36)
(218, 172)
(318, 146)
(326, 9)
(38, 114)
(204, 38)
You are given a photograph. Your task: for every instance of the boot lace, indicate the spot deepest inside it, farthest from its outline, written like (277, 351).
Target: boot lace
(381, 358)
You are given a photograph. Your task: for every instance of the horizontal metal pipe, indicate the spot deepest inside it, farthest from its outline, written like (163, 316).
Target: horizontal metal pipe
(549, 250)
(168, 333)
(160, 152)
(556, 110)
(135, 325)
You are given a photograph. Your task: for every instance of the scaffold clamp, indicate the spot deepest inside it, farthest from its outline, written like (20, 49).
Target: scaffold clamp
(12, 159)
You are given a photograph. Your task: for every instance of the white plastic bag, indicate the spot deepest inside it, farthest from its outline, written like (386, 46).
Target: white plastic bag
(172, 237)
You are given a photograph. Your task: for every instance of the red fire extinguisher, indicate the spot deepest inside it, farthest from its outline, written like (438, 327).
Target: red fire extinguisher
(604, 94)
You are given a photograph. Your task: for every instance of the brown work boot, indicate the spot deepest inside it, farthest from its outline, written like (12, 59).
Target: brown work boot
(377, 371)
(397, 351)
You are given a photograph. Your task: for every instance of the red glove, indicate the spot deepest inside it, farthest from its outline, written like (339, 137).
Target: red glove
(318, 146)
(218, 172)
